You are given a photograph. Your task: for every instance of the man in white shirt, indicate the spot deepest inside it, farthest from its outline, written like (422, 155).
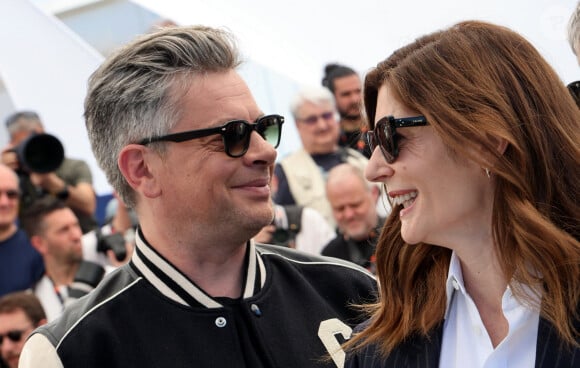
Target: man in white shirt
(73, 264)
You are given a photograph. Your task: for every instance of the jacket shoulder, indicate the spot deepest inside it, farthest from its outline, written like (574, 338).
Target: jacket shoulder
(111, 286)
(303, 259)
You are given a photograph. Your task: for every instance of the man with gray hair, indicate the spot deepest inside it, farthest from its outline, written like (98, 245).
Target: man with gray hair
(181, 139)
(301, 175)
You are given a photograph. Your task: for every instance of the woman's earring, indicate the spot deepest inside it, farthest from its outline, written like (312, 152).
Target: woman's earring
(487, 172)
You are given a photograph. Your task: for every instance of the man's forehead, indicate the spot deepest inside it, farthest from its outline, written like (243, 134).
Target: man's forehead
(15, 317)
(347, 82)
(218, 97)
(8, 179)
(315, 105)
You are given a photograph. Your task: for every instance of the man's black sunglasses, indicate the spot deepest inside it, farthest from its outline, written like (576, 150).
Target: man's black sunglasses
(385, 134)
(14, 336)
(235, 134)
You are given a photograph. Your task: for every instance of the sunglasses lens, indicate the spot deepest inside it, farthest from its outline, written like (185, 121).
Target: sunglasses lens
(386, 140)
(370, 139)
(237, 138)
(270, 128)
(311, 120)
(15, 336)
(237, 134)
(327, 115)
(11, 194)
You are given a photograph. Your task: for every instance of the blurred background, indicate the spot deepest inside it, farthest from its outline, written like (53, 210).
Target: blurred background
(50, 47)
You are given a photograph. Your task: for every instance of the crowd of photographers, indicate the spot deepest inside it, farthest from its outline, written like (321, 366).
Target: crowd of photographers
(52, 251)
(50, 242)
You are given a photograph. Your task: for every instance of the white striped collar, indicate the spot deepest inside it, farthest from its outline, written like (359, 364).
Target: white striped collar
(172, 283)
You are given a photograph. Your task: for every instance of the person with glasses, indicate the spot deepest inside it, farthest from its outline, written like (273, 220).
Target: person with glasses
(346, 87)
(72, 181)
(21, 266)
(182, 140)
(20, 314)
(302, 174)
(477, 141)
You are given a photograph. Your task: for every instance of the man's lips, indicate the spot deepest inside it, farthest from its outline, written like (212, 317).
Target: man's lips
(254, 183)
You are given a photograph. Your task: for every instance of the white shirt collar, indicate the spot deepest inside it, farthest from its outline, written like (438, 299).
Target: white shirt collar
(455, 283)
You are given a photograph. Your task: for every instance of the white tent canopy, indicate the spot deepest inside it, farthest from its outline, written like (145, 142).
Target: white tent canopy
(45, 67)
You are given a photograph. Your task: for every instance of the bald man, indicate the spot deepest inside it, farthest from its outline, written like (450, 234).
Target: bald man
(353, 201)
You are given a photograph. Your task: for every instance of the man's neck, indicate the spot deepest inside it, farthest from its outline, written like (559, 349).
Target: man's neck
(218, 276)
(61, 274)
(7, 231)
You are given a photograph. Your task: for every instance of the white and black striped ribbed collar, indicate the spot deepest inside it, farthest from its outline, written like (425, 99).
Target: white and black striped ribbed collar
(172, 283)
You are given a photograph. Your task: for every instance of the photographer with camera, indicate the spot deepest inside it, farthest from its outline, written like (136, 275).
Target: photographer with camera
(74, 263)
(38, 158)
(297, 227)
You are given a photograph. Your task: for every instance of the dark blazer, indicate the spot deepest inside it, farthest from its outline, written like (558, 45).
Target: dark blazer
(423, 352)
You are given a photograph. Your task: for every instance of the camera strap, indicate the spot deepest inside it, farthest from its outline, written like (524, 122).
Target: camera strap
(294, 216)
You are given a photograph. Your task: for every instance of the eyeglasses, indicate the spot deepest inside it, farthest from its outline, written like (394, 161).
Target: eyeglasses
(385, 134)
(235, 134)
(11, 194)
(14, 336)
(574, 89)
(313, 119)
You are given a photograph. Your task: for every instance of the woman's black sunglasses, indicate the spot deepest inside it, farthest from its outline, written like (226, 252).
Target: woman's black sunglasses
(385, 134)
(235, 134)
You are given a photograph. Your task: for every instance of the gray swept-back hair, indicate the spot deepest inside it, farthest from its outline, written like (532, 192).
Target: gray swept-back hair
(136, 93)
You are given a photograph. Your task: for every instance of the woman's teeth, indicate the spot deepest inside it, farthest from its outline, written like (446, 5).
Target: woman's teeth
(406, 199)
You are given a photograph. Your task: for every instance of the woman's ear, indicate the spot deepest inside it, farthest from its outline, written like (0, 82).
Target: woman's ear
(498, 145)
(137, 164)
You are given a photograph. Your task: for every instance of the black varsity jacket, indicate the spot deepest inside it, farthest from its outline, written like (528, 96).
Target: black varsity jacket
(295, 311)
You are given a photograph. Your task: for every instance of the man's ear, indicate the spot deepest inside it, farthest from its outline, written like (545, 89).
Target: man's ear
(137, 164)
(39, 244)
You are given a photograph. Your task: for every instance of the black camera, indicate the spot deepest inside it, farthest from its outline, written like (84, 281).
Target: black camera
(114, 242)
(39, 153)
(287, 220)
(282, 236)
